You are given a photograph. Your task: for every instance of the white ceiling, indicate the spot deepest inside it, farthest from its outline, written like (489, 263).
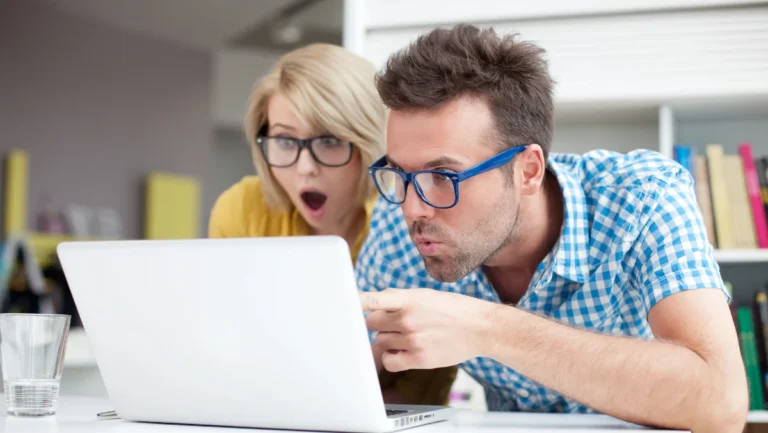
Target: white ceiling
(199, 24)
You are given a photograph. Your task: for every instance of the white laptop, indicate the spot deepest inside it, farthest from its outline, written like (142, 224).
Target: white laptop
(260, 332)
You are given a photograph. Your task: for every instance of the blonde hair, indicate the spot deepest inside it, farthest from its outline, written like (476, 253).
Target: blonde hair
(331, 90)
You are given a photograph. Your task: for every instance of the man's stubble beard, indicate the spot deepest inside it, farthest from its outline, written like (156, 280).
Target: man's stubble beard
(473, 248)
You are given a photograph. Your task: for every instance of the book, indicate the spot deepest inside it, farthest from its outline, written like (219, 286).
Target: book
(685, 156)
(704, 198)
(749, 352)
(761, 165)
(761, 328)
(753, 193)
(720, 206)
(742, 223)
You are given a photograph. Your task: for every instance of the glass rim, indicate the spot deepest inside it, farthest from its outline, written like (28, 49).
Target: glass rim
(308, 143)
(392, 198)
(46, 315)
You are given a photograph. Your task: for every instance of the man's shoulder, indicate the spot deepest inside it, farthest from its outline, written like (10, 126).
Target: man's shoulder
(610, 167)
(618, 194)
(640, 174)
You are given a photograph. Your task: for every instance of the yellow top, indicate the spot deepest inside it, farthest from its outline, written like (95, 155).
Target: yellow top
(242, 211)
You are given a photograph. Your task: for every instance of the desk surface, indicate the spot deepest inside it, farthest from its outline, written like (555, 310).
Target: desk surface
(78, 414)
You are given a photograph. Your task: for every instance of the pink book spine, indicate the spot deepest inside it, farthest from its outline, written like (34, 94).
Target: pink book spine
(753, 191)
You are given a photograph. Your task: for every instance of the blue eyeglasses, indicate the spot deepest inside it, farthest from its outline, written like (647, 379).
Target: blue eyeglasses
(437, 188)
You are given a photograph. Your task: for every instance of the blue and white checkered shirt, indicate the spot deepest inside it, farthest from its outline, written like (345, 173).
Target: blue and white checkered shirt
(632, 235)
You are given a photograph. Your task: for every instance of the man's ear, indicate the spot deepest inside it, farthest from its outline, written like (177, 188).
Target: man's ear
(531, 168)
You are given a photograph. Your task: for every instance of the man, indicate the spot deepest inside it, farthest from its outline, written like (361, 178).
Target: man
(562, 283)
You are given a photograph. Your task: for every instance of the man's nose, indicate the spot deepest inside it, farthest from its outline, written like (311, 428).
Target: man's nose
(306, 165)
(414, 207)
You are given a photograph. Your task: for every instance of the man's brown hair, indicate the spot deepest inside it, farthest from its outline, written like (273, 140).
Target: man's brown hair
(511, 76)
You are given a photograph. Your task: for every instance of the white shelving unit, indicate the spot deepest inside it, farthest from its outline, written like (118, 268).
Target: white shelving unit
(632, 74)
(742, 256)
(757, 417)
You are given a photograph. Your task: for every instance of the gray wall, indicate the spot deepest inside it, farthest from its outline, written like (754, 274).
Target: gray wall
(620, 136)
(230, 161)
(728, 132)
(98, 108)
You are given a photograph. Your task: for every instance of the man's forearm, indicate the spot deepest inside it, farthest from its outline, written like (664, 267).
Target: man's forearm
(645, 382)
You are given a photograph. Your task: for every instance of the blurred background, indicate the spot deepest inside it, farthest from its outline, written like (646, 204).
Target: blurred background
(100, 94)
(121, 119)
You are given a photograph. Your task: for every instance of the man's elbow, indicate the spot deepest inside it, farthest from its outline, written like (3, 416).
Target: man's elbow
(727, 412)
(735, 408)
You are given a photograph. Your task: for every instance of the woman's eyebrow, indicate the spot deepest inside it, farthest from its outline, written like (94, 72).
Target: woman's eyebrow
(281, 125)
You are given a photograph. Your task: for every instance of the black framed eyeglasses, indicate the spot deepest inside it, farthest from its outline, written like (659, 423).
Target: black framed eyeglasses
(284, 151)
(437, 188)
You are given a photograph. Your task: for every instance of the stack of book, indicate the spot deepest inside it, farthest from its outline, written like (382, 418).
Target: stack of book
(732, 192)
(751, 320)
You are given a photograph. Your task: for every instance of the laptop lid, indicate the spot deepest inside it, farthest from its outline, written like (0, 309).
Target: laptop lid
(260, 332)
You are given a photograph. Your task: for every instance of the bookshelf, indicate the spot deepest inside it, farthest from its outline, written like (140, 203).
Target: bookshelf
(725, 257)
(757, 417)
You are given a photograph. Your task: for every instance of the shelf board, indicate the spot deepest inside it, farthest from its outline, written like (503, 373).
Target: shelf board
(741, 256)
(644, 109)
(757, 416)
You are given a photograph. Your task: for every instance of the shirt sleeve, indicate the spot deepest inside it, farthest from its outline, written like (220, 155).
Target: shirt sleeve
(373, 272)
(673, 251)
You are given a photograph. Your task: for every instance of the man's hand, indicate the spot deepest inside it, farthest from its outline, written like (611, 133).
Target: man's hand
(424, 329)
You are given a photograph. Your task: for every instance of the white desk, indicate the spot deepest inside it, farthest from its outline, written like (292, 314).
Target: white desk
(78, 415)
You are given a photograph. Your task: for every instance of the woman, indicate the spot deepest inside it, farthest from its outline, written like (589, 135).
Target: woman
(315, 123)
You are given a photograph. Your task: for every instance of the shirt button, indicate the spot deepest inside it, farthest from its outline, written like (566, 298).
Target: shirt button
(524, 393)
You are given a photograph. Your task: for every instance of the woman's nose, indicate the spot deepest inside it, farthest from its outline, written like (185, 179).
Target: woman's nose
(306, 165)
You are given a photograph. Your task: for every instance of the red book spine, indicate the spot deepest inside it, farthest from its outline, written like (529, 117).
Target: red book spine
(753, 191)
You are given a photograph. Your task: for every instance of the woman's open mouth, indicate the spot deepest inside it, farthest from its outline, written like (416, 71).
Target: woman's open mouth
(315, 202)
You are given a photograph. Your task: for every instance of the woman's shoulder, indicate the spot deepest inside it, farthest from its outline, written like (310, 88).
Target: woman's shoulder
(245, 194)
(238, 209)
(248, 188)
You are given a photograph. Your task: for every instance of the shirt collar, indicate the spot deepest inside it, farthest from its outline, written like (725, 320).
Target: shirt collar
(571, 252)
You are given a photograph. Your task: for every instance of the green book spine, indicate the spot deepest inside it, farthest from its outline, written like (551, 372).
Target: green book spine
(749, 353)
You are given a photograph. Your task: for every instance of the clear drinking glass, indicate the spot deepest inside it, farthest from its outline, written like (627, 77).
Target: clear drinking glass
(32, 348)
